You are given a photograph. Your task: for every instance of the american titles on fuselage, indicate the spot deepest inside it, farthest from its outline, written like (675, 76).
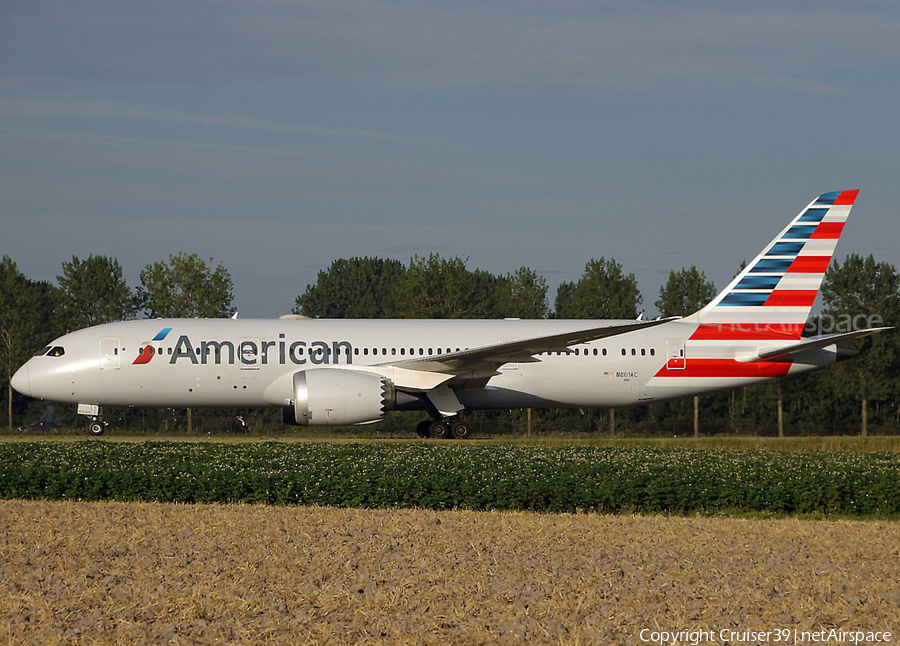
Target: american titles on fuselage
(252, 352)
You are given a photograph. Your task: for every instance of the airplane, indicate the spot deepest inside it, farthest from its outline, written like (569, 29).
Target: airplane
(348, 372)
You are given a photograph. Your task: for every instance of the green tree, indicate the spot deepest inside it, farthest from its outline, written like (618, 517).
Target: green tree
(604, 291)
(565, 295)
(92, 292)
(353, 288)
(685, 292)
(25, 321)
(522, 295)
(863, 293)
(439, 288)
(185, 287)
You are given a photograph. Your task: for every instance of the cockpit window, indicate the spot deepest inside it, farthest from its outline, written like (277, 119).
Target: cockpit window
(56, 351)
(42, 351)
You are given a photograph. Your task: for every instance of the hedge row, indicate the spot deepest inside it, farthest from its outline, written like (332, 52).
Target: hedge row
(467, 476)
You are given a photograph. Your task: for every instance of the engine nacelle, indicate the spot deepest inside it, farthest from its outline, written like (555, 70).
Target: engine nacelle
(339, 397)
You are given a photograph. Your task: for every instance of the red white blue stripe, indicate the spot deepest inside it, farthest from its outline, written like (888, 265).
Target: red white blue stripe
(779, 286)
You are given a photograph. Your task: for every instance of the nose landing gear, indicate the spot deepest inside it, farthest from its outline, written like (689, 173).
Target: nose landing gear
(96, 427)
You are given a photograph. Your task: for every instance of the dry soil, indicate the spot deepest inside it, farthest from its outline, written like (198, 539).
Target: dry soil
(185, 574)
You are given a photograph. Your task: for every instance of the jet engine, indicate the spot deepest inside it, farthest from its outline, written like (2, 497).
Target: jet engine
(338, 397)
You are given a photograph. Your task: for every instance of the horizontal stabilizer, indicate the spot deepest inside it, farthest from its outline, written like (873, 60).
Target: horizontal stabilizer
(805, 345)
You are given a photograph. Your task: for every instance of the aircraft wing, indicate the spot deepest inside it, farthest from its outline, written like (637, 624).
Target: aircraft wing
(482, 362)
(813, 343)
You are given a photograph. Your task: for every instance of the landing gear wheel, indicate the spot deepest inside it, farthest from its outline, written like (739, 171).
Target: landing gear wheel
(424, 428)
(95, 429)
(461, 430)
(439, 430)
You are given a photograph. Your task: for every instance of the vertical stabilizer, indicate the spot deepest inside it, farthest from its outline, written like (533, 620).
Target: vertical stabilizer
(773, 295)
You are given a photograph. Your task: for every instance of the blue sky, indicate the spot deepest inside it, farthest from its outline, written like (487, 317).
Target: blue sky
(276, 137)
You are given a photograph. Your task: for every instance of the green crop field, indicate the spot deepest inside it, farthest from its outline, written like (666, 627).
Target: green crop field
(461, 476)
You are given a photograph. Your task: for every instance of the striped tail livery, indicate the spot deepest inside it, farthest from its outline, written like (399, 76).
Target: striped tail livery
(751, 330)
(778, 287)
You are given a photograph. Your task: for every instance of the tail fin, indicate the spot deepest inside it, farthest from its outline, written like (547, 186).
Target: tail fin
(773, 295)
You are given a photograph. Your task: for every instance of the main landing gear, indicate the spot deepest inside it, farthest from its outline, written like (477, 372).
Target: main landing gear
(444, 429)
(446, 424)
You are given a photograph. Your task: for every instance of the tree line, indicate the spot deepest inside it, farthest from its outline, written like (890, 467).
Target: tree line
(852, 397)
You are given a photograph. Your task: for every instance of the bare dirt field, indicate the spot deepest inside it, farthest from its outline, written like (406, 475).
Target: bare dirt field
(183, 574)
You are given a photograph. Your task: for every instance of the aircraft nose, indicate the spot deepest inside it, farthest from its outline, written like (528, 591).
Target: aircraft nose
(21, 382)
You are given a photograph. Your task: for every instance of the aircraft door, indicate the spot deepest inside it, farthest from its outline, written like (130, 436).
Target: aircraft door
(109, 354)
(675, 352)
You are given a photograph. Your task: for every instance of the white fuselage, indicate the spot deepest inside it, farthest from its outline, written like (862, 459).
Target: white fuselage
(249, 363)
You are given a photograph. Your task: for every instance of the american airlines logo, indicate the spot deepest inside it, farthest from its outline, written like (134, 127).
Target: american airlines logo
(147, 350)
(249, 352)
